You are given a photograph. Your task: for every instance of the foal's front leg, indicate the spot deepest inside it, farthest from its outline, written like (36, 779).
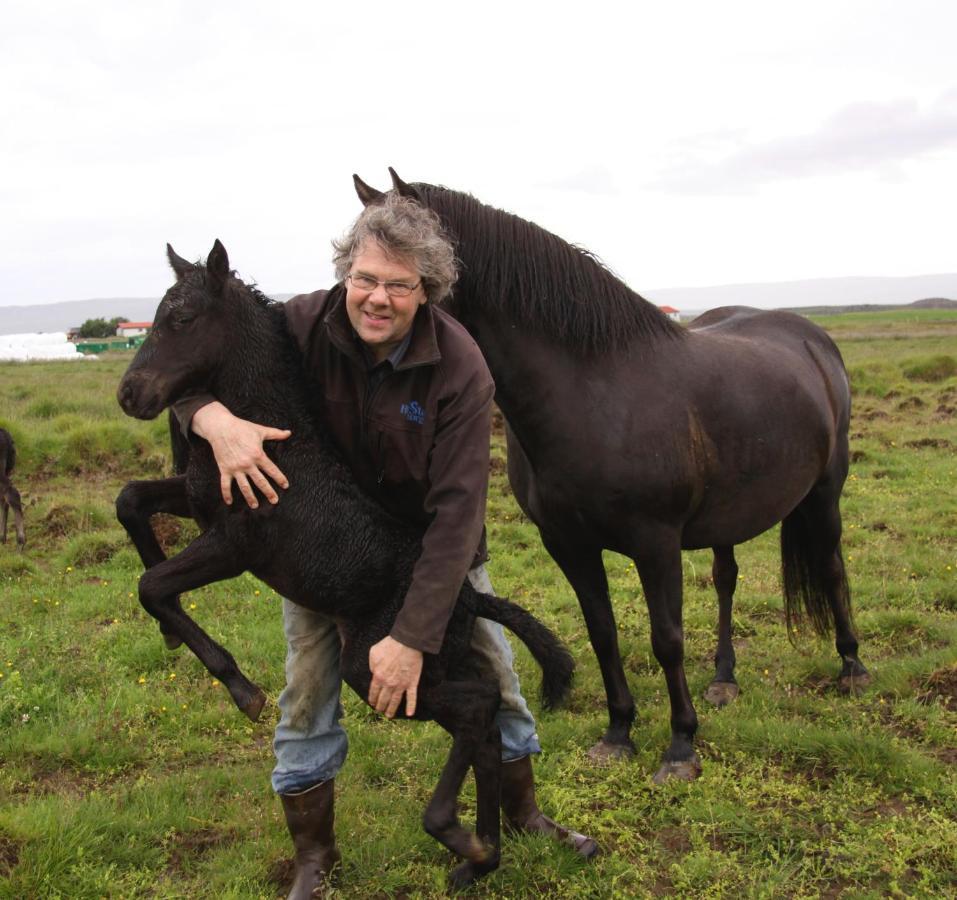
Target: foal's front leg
(207, 559)
(136, 503)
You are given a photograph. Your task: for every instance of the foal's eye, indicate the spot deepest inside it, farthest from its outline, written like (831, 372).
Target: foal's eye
(181, 320)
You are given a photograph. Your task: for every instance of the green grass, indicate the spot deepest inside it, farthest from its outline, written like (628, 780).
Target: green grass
(126, 771)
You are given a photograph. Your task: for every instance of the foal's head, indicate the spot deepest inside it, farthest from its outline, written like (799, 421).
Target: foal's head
(189, 340)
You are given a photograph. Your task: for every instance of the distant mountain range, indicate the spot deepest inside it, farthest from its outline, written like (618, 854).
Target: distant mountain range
(834, 294)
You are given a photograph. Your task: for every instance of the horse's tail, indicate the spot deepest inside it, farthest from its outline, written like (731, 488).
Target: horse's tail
(813, 574)
(549, 652)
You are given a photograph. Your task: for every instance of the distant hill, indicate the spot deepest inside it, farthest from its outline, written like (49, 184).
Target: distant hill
(810, 296)
(63, 316)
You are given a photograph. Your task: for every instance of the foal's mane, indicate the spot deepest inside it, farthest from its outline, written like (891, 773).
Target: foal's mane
(540, 280)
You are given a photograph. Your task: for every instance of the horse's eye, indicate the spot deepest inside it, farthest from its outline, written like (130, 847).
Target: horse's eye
(181, 320)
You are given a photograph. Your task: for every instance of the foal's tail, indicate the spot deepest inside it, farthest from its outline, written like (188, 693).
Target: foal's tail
(815, 581)
(549, 652)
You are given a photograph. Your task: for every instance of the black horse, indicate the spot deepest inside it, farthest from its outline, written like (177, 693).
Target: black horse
(325, 545)
(629, 432)
(9, 495)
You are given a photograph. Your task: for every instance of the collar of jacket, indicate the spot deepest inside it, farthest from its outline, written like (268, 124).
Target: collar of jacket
(423, 349)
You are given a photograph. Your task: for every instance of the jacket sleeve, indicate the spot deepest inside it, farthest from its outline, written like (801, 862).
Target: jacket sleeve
(458, 476)
(302, 313)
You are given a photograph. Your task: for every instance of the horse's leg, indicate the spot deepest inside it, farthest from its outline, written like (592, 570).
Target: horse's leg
(135, 504)
(585, 571)
(659, 567)
(466, 709)
(205, 560)
(817, 521)
(4, 507)
(17, 505)
(724, 571)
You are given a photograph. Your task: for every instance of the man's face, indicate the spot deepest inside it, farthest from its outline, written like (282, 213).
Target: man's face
(380, 318)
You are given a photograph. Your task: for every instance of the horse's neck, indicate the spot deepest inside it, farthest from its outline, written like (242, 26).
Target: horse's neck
(261, 382)
(529, 372)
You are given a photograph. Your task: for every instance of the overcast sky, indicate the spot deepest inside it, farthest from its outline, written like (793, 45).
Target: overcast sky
(693, 143)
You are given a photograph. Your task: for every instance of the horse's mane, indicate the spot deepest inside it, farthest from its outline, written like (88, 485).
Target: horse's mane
(540, 280)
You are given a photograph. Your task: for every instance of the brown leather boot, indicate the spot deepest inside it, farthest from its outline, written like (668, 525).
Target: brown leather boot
(310, 815)
(522, 812)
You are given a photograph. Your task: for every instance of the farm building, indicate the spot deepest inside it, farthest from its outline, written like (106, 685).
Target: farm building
(132, 329)
(671, 312)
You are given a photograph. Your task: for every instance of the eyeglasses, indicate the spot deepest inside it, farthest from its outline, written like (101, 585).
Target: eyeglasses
(392, 288)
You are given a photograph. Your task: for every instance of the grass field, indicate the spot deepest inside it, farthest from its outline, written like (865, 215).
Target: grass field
(127, 772)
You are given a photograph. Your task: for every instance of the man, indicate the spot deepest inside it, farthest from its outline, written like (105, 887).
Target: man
(407, 396)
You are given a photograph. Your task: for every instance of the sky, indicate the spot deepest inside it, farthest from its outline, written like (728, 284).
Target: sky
(685, 143)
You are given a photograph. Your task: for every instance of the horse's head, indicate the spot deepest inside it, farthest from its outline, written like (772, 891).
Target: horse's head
(369, 195)
(188, 340)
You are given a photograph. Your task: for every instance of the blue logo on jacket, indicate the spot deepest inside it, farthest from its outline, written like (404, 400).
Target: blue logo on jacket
(413, 412)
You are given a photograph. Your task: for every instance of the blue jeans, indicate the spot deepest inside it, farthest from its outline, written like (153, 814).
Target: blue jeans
(310, 745)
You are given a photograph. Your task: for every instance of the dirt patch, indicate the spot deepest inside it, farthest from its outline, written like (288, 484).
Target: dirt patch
(497, 466)
(9, 855)
(944, 412)
(186, 847)
(60, 783)
(60, 521)
(941, 686)
(911, 403)
(280, 873)
(874, 414)
(498, 422)
(674, 840)
(937, 443)
(858, 456)
(168, 530)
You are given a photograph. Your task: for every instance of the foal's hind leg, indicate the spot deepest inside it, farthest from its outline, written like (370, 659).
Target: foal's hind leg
(724, 571)
(466, 709)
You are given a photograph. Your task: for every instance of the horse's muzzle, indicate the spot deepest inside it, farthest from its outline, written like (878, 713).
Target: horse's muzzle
(140, 396)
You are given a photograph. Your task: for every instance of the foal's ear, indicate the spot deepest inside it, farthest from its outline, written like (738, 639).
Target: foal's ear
(401, 187)
(366, 194)
(217, 268)
(180, 266)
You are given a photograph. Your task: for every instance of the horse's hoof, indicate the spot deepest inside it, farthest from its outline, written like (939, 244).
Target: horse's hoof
(721, 693)
(605, 753)
(853, 685)
(172, 641)
(254, 706)
(682, 770)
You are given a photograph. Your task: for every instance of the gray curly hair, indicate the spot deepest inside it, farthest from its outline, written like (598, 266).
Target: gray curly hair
(407, 231)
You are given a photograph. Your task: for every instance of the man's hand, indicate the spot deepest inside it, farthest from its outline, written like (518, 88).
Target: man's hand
(395, 671)
(238, 448)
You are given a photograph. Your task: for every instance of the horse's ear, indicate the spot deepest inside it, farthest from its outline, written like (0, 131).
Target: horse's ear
(217, 268)
(366, 194)
(401, 187)
(180, 266)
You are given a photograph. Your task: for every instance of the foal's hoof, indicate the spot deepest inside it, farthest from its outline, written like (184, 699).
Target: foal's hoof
(172, 641)
(853, 684)
(604, 753)
(469, 872)
(683, 770)
(254, 705)
(721, 693)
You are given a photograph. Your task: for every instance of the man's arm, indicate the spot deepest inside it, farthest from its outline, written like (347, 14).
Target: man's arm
(458, 474)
